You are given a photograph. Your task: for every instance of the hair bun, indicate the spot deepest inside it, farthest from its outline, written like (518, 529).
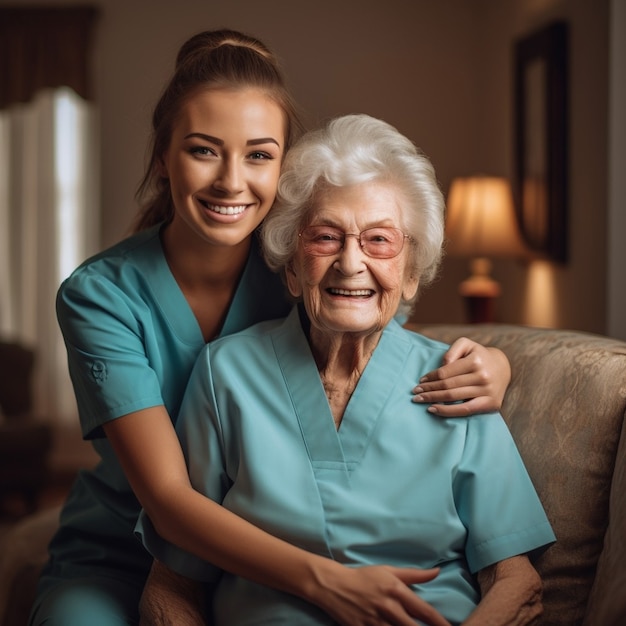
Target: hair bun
(209, 40)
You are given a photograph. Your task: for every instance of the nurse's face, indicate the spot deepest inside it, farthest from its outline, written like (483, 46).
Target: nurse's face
(223, 163)
(355, 287)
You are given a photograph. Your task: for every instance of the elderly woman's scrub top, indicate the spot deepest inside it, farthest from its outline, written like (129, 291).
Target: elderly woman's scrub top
(393, 485)
(132, 341)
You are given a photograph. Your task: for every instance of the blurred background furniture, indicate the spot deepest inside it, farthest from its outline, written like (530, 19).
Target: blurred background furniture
(25, 439)
(566, 409)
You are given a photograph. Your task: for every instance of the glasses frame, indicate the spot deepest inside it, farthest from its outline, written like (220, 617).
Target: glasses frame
(358, 236)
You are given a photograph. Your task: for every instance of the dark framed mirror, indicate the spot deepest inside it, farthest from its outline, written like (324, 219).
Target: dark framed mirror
(541, 137)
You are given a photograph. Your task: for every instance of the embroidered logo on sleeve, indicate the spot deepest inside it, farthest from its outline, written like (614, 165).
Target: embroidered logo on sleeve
(99, 371)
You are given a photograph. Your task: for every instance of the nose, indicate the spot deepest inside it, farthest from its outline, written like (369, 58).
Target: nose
(230, 178)
(351, 258)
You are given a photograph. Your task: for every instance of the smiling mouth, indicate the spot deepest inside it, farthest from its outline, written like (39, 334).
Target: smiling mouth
(351, 293)
(224, 210)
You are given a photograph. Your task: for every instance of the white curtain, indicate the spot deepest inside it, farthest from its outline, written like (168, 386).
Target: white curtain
(49, 223)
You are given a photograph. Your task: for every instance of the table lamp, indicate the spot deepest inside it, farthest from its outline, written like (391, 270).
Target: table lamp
(481, 224)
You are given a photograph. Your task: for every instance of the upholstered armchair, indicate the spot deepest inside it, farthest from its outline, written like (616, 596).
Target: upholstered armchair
(566, 409)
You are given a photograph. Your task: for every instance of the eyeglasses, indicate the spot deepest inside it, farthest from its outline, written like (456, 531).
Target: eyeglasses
(383, 242)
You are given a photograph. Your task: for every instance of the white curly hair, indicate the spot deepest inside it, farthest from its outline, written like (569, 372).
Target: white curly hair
(350, 150)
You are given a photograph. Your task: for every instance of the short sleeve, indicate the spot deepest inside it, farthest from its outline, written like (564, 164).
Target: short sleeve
(105, 338)
(495, 497)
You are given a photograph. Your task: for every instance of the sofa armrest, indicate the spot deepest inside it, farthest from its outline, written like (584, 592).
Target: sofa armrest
(607, 602)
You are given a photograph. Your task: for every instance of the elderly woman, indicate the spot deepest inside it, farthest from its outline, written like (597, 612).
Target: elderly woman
(299, 425)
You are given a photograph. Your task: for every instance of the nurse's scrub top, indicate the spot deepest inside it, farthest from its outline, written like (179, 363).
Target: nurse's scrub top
(131, 341)
(393, 485)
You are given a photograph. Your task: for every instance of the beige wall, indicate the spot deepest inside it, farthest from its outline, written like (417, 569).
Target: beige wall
(545, 294)
(439, 71)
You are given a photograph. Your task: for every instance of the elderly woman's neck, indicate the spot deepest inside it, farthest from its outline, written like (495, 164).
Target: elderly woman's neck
(341, 359)
(342, 353)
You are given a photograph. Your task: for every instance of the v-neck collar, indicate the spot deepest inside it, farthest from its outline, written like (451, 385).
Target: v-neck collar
(241, 313)
(325, 444)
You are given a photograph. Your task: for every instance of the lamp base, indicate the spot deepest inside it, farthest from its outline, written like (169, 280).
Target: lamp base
(480, 292)
(480, 309)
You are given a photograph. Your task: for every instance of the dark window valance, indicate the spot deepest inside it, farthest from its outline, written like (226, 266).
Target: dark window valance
(44, 47)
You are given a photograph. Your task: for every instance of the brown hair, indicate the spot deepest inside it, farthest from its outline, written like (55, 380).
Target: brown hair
(210, 60)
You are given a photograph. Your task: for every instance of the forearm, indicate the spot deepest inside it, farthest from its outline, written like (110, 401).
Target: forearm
(351, 596)
(202, 527)
(211, 532)
(188, 519)
(511, 595)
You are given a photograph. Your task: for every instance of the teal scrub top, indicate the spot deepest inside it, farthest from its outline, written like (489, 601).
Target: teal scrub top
(131, 342)
(393, 485)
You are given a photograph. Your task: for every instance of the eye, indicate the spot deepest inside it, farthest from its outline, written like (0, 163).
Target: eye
(377, 236)
(326, 235)
(201, 151)
(260, 156)
(322, 235)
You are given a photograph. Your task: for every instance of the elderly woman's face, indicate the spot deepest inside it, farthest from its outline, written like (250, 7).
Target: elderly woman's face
(349, 291)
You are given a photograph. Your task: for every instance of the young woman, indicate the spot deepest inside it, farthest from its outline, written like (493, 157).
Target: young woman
(135, 318)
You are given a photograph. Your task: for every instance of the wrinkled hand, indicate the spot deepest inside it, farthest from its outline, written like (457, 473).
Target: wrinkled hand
(472, 376)
(511, 594)
(170, 599)
(378, 595)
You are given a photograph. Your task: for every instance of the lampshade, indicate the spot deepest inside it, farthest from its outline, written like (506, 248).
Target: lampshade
(481, 220)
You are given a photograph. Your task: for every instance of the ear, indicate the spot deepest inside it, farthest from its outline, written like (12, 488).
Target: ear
(409, 289)
(293, 282)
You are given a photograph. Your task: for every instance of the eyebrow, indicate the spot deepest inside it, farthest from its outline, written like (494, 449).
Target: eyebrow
(325, 221)
(220, 142)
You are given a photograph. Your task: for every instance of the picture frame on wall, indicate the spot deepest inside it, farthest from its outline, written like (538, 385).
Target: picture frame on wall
(541, 136)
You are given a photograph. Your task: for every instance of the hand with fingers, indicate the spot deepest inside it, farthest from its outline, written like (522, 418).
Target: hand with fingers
(378, 595)
(472, 379)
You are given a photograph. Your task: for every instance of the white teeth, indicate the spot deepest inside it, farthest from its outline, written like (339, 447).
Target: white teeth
(227, 210)
(355, 292)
